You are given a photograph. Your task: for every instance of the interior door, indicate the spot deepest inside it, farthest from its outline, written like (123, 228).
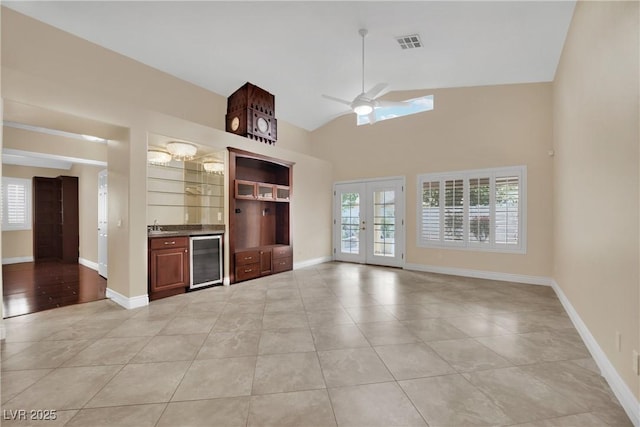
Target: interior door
(102, 223)
(369, 222)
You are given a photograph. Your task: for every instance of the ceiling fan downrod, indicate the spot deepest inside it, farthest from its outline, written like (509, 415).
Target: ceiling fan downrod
(363, 32)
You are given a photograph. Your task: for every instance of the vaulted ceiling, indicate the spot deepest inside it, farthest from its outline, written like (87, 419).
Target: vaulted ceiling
(301, 50)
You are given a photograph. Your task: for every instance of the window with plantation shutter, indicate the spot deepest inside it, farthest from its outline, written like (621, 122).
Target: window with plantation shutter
(478, 210)
(430, 218)
(453, 210)
(16, 204)
(507, 210)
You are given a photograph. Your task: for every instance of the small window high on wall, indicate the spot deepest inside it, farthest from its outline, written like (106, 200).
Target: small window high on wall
(478, 209)
(16, 204)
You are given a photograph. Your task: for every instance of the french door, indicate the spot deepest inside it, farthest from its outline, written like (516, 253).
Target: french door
(369, 222)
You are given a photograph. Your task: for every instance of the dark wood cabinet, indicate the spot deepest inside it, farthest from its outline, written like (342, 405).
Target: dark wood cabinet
(259, 220)
(56, 223)
(266, 262)
(282, 258)
(247, 265)
(168, 266)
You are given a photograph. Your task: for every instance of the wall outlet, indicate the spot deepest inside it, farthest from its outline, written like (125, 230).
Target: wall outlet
(636, 362)
(618, 341)
(219, 216)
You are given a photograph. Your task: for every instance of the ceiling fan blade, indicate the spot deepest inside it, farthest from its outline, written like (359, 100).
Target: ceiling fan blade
(374, 91)
(333, 98)
(387, 104)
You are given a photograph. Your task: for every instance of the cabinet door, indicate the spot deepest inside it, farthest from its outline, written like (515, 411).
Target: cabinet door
(266, 191)
(283, 193)
(266, 263)
(245, 189)
(169, 268)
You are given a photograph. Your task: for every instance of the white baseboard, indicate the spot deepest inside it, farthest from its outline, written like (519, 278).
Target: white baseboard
(126, 302)
(481, 274)
(226, 281)
(92, 265)
(622, 391)
(311, 262)
(17, 260)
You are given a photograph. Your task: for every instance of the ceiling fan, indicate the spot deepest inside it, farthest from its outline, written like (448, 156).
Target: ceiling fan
(366, 103)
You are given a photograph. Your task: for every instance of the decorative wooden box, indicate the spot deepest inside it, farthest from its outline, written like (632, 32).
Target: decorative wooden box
(251, 113)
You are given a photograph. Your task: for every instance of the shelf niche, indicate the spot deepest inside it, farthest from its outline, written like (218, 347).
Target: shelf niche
(258, 223)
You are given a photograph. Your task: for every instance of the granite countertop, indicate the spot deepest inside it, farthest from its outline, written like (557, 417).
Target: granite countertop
(186, 230)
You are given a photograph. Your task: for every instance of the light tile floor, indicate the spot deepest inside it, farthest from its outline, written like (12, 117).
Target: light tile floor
(334, 344)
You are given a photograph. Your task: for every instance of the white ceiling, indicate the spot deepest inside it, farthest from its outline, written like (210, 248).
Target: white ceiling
(300, 50)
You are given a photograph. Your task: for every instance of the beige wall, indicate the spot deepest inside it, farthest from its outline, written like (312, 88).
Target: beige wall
(19, 243)
(49, 69)
(470, 128)
(596, 176)
(36, 142)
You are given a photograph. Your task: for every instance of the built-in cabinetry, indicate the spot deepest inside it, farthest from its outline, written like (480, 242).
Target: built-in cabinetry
(168, 266)
(259, 219)
(56, 219)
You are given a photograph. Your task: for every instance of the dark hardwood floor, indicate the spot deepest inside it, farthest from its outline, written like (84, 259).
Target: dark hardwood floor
(30, 287)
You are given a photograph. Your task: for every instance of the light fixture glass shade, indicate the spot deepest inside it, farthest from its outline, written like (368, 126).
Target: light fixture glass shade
(213, 167)
(158, 157)
(182, 150)
(362, 109)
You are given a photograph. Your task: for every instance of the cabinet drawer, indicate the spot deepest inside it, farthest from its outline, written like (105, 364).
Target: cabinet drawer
(282, 251)
(169, 242)
(248, 271)
(282, 264)
(247, 257)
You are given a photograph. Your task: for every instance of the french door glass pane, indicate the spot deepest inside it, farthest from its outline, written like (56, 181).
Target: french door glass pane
(384, 223)
(350, 223)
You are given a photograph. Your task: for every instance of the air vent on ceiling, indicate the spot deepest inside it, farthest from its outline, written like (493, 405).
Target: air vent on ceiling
(409, 42)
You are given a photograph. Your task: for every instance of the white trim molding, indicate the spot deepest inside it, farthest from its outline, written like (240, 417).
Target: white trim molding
(17, 260)
(90, 264)
(3, 331)
(481, 274)
(311, 262)
(126, 302)
(622, 391)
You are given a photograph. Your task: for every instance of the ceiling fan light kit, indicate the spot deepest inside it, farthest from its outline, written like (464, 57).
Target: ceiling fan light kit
(362, 108)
